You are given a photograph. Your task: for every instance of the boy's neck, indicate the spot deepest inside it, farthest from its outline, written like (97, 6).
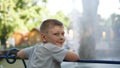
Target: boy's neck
(51, 43)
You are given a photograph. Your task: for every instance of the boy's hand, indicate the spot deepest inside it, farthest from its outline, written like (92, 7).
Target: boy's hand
(71, 56)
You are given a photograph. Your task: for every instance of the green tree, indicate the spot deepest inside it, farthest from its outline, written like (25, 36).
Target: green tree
(20, 15)
(24, 15)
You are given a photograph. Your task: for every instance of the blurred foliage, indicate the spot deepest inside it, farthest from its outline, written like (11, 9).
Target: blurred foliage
(60, 16)
(24, 15)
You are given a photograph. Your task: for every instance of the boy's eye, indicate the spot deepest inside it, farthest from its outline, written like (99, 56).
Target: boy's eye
(56, 34)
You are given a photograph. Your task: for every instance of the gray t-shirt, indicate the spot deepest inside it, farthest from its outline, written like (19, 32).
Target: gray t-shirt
(45, 56)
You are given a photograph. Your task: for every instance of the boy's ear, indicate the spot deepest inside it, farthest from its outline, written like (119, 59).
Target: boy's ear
(43, 37)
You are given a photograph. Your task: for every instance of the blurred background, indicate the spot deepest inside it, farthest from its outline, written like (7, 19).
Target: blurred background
(92, 27)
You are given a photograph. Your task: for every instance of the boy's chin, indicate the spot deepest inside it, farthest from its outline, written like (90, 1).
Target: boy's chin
(60, 45)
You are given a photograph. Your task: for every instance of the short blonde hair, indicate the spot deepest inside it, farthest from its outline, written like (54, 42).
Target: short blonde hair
(48, 23)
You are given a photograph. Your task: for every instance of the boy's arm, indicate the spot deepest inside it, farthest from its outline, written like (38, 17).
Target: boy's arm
(26, 52)
(21, 54)
(71, 56)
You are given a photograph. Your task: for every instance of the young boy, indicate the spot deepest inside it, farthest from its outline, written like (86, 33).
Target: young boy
(50, 53)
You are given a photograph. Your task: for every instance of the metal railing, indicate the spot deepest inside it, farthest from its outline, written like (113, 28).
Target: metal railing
(11, 55)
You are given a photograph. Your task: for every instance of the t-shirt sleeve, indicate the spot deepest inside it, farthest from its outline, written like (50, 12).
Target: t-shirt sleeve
(59, 53)
(28, 51)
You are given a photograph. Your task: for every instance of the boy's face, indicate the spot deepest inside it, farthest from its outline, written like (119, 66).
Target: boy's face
(55, 35)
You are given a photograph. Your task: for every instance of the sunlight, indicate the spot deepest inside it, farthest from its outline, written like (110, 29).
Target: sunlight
(56, 5)
(106, 7)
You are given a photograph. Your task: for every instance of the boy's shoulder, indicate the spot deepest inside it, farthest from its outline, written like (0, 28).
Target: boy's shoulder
(52, 47)
(48, 46)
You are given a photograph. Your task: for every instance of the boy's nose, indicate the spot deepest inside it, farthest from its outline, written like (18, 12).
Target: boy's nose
(62, 37)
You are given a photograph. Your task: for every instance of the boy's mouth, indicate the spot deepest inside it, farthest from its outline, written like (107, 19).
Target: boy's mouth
(60, 42)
